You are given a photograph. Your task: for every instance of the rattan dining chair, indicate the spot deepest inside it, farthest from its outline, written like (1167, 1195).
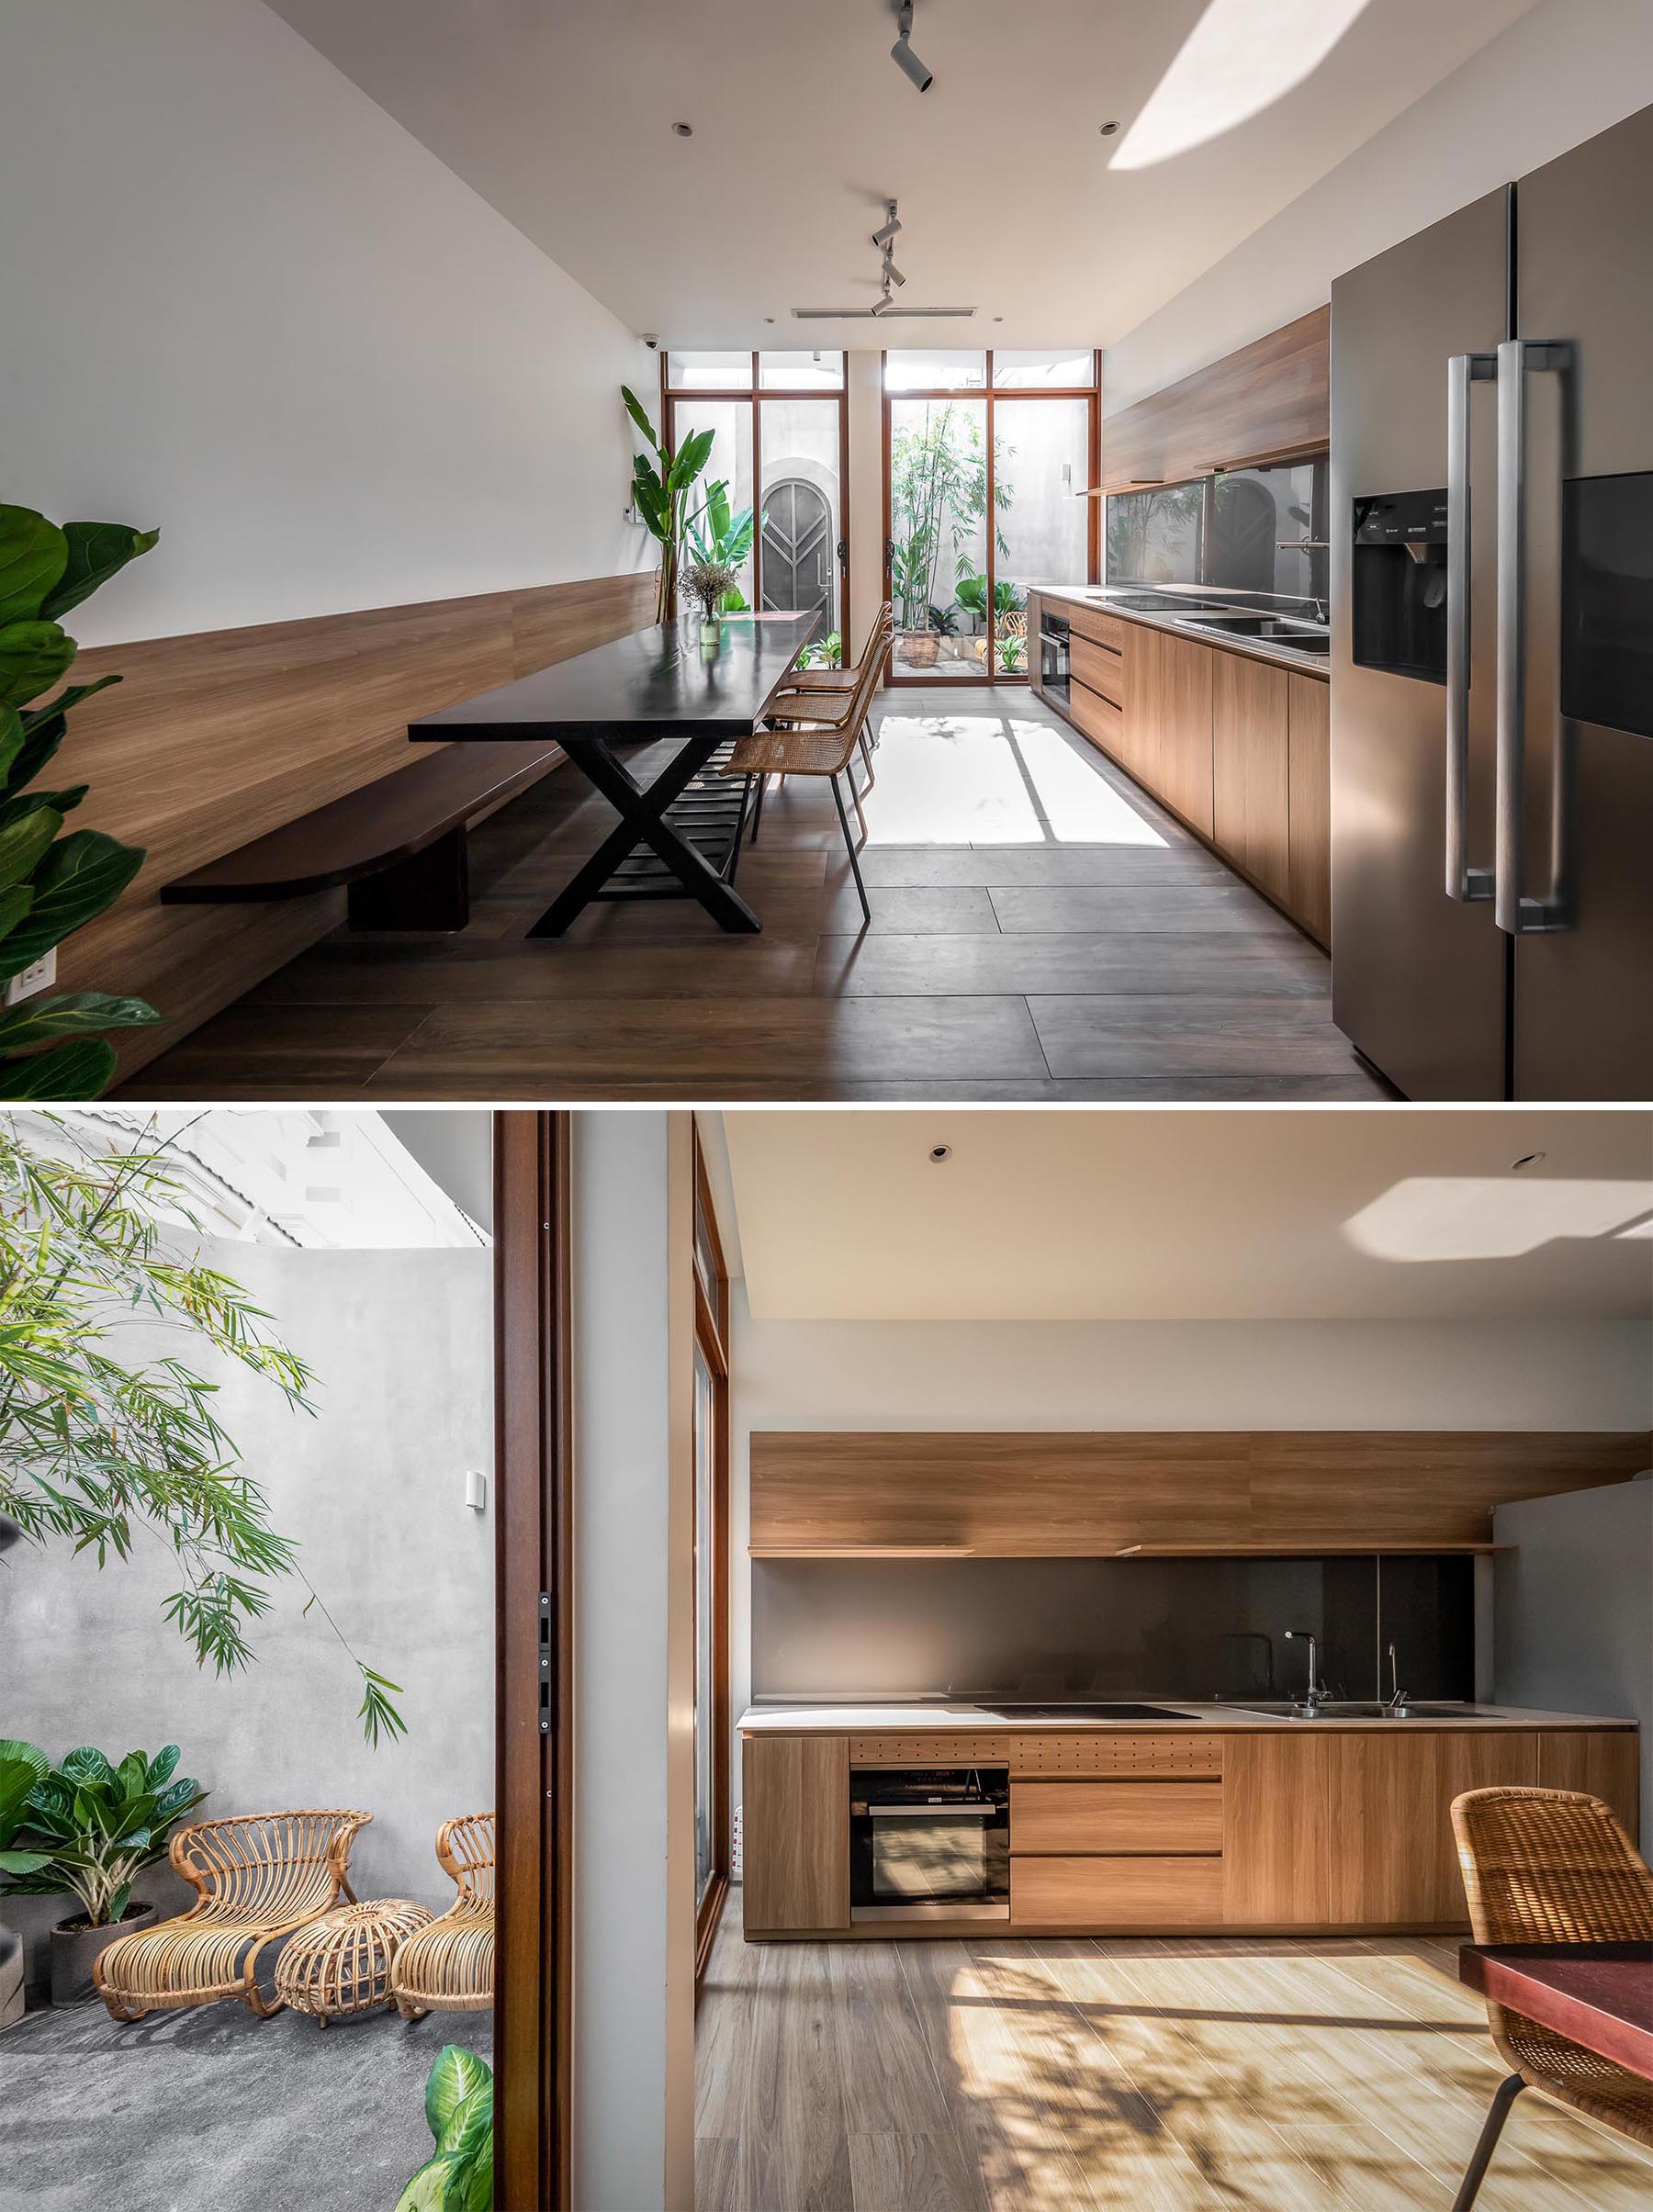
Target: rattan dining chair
(840, 683)
(260, 1876)
(1552, 1866)
(813, 734)
(449, 1965)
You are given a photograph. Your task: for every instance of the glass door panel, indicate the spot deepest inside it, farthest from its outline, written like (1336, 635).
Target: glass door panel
(1040, 458)
(801, 520)
(938, 463)
(709, 531)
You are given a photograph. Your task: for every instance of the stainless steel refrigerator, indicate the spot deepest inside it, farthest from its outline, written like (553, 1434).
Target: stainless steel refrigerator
(1492, 647)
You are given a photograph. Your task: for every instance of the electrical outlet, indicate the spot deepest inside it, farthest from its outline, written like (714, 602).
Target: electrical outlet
(40, 975)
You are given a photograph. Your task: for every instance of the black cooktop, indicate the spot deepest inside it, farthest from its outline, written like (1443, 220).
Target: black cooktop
(1088, 1712)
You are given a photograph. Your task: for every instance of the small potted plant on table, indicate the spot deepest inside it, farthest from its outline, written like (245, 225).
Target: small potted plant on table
(91, 1828)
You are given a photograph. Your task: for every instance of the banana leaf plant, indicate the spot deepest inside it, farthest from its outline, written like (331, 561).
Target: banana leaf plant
(971, 593)
(659, 490)
(727, 539)
(52, 885)
(458, 2177)
(93, 1827)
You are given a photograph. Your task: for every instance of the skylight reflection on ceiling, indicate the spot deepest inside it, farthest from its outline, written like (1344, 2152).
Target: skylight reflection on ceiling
(1239, 58)
(1494, 1217)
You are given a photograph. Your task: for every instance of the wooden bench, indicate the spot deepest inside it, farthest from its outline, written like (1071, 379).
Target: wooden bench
(397, 846)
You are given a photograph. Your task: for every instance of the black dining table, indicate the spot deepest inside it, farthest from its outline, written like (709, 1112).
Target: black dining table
(679, 835)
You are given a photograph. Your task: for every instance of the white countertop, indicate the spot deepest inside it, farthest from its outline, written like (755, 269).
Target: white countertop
(1257, 648)
(831, 1720)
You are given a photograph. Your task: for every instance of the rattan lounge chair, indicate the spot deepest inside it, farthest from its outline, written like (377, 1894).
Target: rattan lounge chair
(260, 1876)
(449, 1966)
(1552, 1866)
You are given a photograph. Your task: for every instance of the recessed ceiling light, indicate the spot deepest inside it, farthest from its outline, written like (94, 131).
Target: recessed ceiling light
(998, 318)
(1529, 1159)
(1107, 130)
(684, 131)
(769, 319)
(938, 1153)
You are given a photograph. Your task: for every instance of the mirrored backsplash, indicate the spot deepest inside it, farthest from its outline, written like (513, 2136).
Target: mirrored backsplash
(1074, 1628)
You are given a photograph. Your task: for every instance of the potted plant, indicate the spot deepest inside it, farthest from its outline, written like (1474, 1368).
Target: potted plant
(458, 2177)
(21, 1767)
(708, 583)
(51, 885)
(660, 489)
(91, 1828)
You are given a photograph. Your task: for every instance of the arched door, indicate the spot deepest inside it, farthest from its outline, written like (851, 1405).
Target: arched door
(798, 547)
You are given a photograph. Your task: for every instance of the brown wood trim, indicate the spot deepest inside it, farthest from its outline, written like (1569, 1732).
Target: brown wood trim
(712, 1334)
(533, 1534)
(1045, 1493)
(1269, 401)
(213, 740)
(711, 1914)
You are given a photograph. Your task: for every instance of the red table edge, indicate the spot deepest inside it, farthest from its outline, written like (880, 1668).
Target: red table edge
(1498, 1977)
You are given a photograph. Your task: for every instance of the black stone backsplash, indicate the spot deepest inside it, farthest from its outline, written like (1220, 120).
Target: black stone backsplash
(1071, 1628)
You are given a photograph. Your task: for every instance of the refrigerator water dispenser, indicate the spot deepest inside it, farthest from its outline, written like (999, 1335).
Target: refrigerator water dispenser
(1399, 594)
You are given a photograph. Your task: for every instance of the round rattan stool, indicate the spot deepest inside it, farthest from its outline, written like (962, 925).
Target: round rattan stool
(341, 1963)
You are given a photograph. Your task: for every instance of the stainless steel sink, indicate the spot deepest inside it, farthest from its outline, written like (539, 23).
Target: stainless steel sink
(1268, 629)
(1349, 1709)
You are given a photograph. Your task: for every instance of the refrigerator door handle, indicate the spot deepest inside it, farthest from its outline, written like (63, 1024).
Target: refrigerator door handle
(1515, 913)
(1462, 370)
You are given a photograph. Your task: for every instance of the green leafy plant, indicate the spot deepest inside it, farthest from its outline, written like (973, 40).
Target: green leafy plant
(1009, 649)
(52, 885)
(96, 1452)
(458, 2177)
(725, 541)
(21, 1767)
(971, 593)
(659, 487)
(93, 1826)
(939, 498)
(823, 652)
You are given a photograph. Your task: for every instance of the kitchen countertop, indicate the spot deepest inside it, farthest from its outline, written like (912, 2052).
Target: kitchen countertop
(1101, 596)
(829, 1720)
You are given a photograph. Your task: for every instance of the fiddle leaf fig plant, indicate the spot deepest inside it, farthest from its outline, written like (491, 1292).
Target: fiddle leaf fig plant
(52, 884)
(91, 1827)
(98, 1451)
(659, 490)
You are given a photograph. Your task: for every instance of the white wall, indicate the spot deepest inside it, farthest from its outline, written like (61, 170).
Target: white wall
(1204, 1375)
(634, 1853)
(1559, 74)
(373, 1489)
(244, 305)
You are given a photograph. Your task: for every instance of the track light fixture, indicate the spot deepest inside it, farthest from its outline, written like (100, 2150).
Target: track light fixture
(891, 276)
(902, 53)
(888, 234)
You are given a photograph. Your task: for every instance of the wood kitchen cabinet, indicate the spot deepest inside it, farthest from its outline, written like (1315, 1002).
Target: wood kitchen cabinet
(1308, 779)
(796, 1831)
(1249, 778)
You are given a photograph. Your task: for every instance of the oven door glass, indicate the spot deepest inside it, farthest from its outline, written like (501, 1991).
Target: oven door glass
(930, 1854)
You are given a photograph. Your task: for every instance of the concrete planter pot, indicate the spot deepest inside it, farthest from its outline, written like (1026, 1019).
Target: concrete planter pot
(75, 1946)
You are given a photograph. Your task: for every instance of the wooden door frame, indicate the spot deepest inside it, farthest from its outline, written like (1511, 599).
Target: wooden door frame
(1092, 394)
(712, 1340)
(534, 1680)
(757, 394)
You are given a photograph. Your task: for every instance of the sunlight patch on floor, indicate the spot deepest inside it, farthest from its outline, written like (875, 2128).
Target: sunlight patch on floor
(978, 779)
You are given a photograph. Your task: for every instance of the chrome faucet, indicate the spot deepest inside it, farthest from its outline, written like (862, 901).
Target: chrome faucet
(1396, 1696)
(1316, 1693)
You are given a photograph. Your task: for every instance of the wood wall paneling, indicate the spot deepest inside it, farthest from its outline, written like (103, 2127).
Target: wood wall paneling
(1249, 776)
(1027, 1493)
(211, 740)
(1270, 399)
(1308, 777)
(796, 1831)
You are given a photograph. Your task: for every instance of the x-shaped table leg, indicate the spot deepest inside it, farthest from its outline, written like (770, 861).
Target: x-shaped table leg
(642, 813)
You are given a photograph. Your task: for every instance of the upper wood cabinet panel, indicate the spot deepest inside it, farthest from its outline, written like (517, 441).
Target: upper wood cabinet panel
(1027, 1493)
(1272, 397)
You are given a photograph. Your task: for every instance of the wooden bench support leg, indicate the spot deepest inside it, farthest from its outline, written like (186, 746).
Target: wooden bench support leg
(431, 891)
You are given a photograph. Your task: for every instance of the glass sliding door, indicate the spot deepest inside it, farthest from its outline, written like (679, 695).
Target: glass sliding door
(939, 500)
(988, 459)
(800, 464)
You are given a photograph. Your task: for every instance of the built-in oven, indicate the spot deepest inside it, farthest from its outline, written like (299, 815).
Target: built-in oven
(1053, 656)
(929, 1842)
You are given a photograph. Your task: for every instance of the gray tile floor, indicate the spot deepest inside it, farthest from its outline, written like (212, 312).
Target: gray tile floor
(212, 2110)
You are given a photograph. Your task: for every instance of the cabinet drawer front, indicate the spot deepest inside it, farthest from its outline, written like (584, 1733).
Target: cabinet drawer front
(926, 1748)
(1098, 669)
(1108, 1753)
(1116, 1892)
(1096, 716)
(1099, 628)
(1115, 1816)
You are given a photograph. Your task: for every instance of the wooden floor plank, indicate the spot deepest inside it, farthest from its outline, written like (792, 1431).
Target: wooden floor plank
(1036, 920)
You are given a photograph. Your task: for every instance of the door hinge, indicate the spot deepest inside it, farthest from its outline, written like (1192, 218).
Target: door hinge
(545, 1677)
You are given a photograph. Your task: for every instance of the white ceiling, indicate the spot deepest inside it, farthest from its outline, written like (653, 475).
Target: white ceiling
(1193, 1216)
(559, 113)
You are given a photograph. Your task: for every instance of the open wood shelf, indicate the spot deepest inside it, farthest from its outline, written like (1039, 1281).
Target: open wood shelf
(1343, 1548)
